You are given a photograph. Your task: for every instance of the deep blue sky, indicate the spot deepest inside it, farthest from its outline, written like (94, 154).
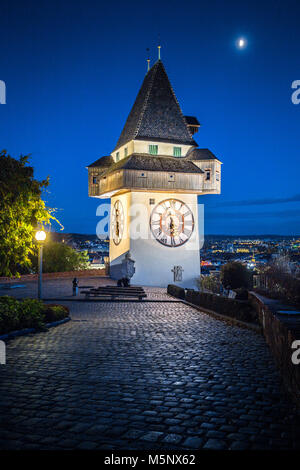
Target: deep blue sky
(73, 69)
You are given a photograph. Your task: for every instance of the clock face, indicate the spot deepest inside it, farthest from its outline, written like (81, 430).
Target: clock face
(117, 222)
(172, 222)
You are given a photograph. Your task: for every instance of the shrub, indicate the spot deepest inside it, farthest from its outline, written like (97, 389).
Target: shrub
(283, 285)
(235, 275)
(176, 291)
(54, 312)
(241, 294)
(28, 313)
(9, 317)
(238, 309)
(60, 257)
(210, 283)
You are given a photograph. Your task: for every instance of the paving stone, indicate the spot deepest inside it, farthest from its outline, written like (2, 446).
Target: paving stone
(68, 443)
(172, 438)
(87, 445)
(115, 431)
(215, 444)
(193, 442)
(239, 445)
(97, 429)
(152, 436)
(132, 434)
(215, 434)
(91, 381)
(208, 426)
(80, 427)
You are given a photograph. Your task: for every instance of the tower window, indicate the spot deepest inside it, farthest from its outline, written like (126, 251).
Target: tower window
(207, 175)
(217, 176)
(177, 151)
(117, 156)
(95, 180)
(125, 152)
(153, 149)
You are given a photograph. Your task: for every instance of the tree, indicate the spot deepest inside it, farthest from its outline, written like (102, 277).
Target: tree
(235, 275)
(208, 283)
(59, 257)
(21, 211)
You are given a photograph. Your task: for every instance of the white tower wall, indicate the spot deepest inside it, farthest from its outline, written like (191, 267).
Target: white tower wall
(153, 261)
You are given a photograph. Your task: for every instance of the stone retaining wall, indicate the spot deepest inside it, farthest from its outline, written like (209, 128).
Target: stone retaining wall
(70, 274)
(280, 334)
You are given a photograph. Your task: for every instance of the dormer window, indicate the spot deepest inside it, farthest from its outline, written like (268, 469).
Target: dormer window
(208, 174)
(125, 152)
(117, 156)
(153, 149)
(177, 151)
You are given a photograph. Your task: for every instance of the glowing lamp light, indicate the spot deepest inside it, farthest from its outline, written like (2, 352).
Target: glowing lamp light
(40, 236)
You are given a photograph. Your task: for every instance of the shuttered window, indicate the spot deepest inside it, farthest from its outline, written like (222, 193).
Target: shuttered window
(117, 156)
(153, 149)
(177, 151)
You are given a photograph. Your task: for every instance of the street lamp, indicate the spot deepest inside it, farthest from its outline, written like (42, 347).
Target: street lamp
(40, 236)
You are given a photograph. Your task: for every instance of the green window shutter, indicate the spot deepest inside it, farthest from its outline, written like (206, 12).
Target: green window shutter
(177, 151)
(117, 156)
(153, 149)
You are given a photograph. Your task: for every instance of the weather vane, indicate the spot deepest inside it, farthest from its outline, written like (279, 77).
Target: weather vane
(148, 59)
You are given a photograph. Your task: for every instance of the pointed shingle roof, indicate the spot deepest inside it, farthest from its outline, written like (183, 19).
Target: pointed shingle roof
(156, 114)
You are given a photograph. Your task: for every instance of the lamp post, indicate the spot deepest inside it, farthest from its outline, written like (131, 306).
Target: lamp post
(40, 236)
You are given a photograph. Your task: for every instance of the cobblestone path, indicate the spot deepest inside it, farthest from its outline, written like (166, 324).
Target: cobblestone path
(143, 376)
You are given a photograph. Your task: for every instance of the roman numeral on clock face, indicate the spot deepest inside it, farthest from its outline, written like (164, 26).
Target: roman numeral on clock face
(157, 232)
(172, 222)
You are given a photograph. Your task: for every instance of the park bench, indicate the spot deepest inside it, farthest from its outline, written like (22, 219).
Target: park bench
(114, 292)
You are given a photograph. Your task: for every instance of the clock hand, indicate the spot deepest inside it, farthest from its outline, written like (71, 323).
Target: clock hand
(172, 227)
(117, 223)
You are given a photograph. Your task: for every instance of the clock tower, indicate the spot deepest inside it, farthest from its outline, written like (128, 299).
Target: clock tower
(153, 177)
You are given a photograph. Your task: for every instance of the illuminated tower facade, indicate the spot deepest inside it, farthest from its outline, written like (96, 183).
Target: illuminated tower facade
(153, 177)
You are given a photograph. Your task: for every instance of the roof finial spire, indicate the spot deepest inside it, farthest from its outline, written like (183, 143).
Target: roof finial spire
(159, 47)
(148, 60)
